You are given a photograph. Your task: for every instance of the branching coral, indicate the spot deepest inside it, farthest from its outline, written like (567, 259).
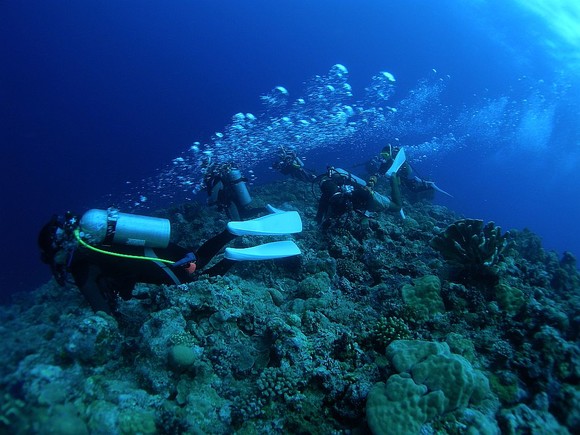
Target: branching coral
(11, 412)
(469, 245)
(388, 329)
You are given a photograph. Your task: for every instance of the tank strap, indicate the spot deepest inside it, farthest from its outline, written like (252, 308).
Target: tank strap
(112, 218)
(150, 253)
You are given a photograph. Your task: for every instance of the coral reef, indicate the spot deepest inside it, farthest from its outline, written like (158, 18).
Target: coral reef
(424, 296)
(471, 246)
(368, 325)
(430, 382)
(388, 329)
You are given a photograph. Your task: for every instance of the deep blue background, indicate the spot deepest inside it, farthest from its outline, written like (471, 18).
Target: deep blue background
(95, 94)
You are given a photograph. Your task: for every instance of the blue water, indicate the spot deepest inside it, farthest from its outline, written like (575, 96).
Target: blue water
(102, 102)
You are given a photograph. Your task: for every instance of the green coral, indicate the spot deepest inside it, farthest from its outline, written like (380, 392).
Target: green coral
(468, 244)
(388, 329)
(431, 382)
(314, 286)
(452, 375)
(567, 277)
(400, 406)
(506, 389)
(276, 385)
(183, 338)
(137, 422)
(11, 411)
(181, 357)
(353, 270)
(510, 299)
(64, 420)
(424, 296)
(461, 346)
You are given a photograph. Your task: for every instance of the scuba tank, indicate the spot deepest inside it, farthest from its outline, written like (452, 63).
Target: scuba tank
(109, 227)
(351, 177)
(237, 183)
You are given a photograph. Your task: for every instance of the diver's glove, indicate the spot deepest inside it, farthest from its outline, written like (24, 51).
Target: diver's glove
(187, 262)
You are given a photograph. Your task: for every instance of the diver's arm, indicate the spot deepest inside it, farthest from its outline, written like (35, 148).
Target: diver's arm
(328, 188)
(88, 284)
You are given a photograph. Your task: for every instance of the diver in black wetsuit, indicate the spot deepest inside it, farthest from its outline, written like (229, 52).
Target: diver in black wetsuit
(107, 252)
(343, 192)
(289, 163)
(410, 180)
(227, 189)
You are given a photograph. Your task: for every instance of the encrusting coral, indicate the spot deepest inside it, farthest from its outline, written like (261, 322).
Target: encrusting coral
(431, 381)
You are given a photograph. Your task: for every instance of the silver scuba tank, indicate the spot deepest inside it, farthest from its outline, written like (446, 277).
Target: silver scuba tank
(240, 191)
(109, 227)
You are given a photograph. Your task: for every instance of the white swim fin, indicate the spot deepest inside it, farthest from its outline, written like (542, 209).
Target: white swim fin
(273, 209)
(397, 163)
(282, 222)
(267, 251)
(438, 189)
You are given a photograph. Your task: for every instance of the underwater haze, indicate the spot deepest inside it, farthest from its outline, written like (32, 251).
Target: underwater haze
(117, 103)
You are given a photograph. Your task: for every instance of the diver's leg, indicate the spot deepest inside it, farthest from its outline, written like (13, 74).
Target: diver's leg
(233, 211)
(323, 205)
(328, 189)
(211, 247)
(96, 291)
(396, 200)
(380, 202)
(220, 268)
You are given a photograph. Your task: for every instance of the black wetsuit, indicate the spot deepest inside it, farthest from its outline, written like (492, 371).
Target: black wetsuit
(335, 202)
(409, 180)
(290, 166)
(102, 278)
(222, 195)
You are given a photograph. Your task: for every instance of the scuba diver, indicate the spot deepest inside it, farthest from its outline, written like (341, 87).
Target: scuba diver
(343, 192)
(289, 163)
(106, 252)
(410, 179)
(227, 189)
